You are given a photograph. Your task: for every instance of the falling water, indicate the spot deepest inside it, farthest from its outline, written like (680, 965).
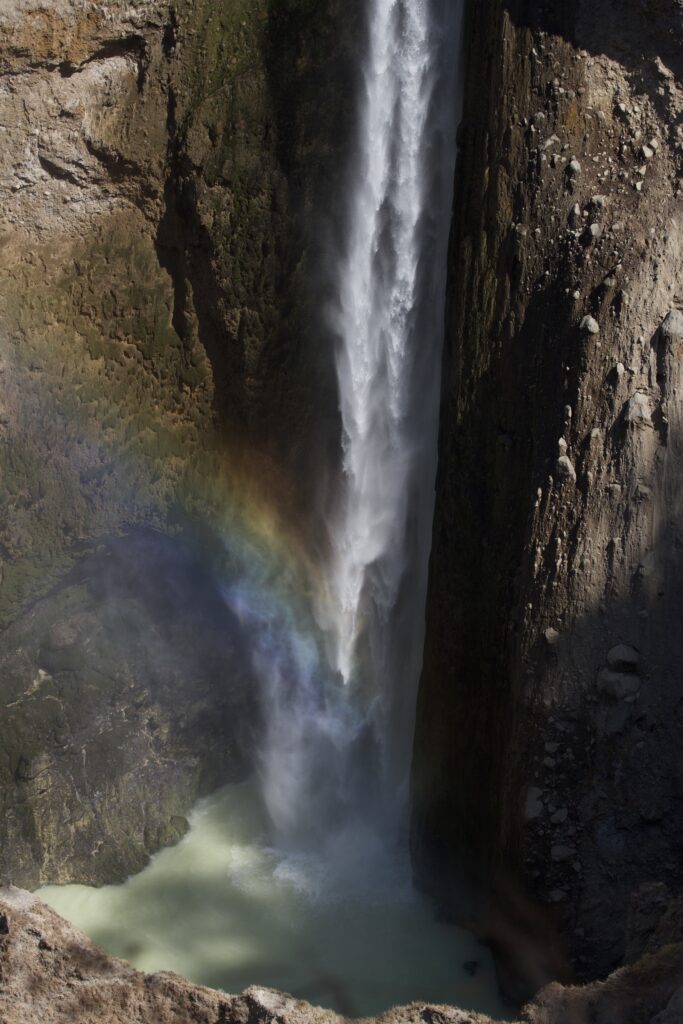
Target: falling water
(389, 321)
(339, 714)
(320, 901)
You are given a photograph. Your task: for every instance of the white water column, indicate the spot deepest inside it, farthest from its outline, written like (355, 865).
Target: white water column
(389, 324)
(339, 711)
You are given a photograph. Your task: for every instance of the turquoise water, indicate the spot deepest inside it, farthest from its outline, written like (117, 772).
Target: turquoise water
(343, 930)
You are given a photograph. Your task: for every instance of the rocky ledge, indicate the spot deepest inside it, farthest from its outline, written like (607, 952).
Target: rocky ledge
(51, 972)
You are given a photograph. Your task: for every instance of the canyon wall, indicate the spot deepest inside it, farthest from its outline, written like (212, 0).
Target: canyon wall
(549, 720)
(163, 168)
(160, 361)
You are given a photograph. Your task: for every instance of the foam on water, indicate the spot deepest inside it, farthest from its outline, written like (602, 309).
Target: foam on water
(226, 909)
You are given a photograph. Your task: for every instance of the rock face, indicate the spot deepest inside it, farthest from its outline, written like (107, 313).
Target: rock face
(554, 650)
(158, 167)
(126, 695)
(49, 971)
(161, 165)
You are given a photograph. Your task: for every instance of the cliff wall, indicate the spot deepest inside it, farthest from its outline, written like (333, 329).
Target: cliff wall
(549, 719)
(161, 370)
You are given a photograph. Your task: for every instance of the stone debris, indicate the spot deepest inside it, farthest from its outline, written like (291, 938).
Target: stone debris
(564, 468)
(589, 325)
(672, 326)
(638, 411)
(624, 658)
(618, 684)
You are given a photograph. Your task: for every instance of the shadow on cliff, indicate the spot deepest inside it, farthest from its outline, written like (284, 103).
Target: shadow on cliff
(159, 602)
(636, 33)
(488, 704)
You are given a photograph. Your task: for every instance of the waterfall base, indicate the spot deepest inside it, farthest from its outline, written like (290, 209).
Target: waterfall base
(223, 909)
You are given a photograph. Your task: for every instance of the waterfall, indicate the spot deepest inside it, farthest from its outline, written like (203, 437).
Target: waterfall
(389, 322)
(339, 712)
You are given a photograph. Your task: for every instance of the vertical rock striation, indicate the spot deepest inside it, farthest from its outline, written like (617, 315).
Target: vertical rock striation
(549, 717)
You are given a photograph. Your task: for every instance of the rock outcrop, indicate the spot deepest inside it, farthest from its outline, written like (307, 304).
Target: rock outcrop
(549, 720)
(49, 971)
(159, 163)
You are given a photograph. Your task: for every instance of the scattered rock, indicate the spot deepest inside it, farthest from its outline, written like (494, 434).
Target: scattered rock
(573, 168)
(618, 684)
(564, 469)
(623, 658)
(551, 636)
(589, 325)
(638, 411)
(592, 234)
(672, 327)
